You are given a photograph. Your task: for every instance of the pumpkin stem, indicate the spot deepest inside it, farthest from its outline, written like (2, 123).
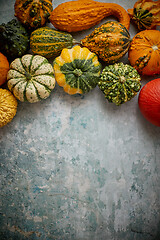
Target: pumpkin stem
(28, 76)
(77, 72)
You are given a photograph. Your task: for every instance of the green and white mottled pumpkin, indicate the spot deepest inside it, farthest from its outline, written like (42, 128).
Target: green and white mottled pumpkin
(119, 83)
(77, 70)
(48, 42)
(31, 78)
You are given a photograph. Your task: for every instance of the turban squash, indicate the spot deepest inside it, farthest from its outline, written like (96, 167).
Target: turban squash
(77, 70)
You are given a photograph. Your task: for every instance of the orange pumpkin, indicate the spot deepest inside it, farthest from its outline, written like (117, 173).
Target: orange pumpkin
(144, 52)
(4, 68)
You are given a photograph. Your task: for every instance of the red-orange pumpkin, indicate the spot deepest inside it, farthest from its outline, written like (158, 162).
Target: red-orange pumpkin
(149, 101)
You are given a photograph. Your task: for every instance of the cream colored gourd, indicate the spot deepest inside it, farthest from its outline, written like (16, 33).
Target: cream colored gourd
(31, 78)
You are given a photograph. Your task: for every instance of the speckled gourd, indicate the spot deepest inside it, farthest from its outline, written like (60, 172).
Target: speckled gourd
(119, 82)
(110, 41)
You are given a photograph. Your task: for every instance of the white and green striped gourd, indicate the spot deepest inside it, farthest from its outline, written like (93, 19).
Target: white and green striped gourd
(31, 78)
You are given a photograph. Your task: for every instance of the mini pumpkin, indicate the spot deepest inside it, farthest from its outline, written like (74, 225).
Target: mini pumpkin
(77, 70)
(146, 14)
(4, 68)
(119, 83)
(110, 41)
(31, 78)
(144, 52)
(33, 13)
(8, 107)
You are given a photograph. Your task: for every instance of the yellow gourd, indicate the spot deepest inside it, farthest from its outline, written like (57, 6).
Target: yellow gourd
(8, 106)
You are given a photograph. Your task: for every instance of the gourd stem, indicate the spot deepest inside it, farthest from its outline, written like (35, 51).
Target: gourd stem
(76, 42)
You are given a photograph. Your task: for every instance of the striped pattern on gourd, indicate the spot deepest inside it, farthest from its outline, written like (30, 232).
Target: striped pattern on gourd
(31, 78)
(48, 42)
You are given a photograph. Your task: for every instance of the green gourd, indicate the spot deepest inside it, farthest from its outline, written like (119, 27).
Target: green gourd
(77, 70)
(119, 83)
(49, 43)
(14, 39)
(31, 78)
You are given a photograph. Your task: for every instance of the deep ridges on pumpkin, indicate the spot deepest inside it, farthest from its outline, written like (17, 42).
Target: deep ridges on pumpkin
(31, 78)
(144, 52)
(77, 70)
(33, 13)
(110, 41)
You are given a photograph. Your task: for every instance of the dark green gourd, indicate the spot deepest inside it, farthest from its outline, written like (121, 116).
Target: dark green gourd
(48, 42)
(14, 39)
(119, 83)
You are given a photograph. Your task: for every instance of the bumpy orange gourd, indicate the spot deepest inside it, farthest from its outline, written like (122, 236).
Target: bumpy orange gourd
(33, 13)
(4, 68)
(144, 52)
(74, 16)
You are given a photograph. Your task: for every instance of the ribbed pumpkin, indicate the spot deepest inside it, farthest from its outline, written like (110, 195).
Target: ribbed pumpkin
(31, 78)
(77, 70)
(144, 52)
(4, 68)
(48, 42)
(119, 82)
(33, 13)
(8, 106)
(110, 41)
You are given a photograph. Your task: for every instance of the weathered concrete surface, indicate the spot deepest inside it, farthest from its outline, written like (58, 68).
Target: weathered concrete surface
(79, 168)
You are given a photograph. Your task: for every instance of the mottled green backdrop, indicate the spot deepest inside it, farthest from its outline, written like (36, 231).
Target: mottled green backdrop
(79, 168)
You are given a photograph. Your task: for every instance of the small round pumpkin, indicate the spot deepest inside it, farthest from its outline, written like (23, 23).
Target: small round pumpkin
(31, 78)
(119, 83)
(149, 101)
(33, 13)
(77, 70)
(144, 52)
(4, 68)
(8, 106)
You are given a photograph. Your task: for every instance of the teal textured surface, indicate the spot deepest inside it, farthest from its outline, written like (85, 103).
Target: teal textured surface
(78, 167)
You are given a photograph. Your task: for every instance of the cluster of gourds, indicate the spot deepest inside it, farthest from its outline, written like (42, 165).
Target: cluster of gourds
(78, 69)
